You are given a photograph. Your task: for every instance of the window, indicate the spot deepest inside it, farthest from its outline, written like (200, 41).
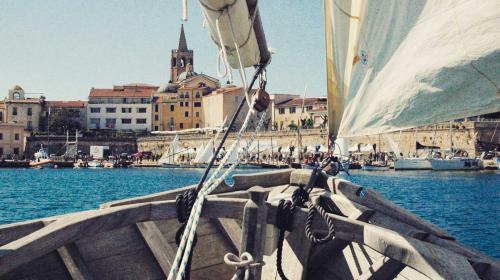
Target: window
(172, 108)
(141, 110)
(126, 121)
(16, 151)
(126, 110)
(140, 121)
(14, 111)
(30, 111)
(111, 110)
(1, 152)
(95, 123)
(16, 136)
(1, 136)
(95, 110)
(292, 110)
(29, 125)
(197, 125)
(197, 104)
(198, 95)
(110, 123)
(156, 117)
(197, 114)
(281, 111)
(186, 104)
(186, 114)
(156, 108)
(182, 104)
(156, 128)
(124, 100)
(1, 116)
(309, 108)
(181, 125)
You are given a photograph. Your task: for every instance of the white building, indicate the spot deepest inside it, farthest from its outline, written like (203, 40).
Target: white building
(125, 107)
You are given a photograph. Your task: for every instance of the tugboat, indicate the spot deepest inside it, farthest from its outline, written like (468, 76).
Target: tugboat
(41, 159)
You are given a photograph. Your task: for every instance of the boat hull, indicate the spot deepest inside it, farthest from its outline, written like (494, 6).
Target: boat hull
(456, 164)
(41, 163)
(412, 164)
(375, 167)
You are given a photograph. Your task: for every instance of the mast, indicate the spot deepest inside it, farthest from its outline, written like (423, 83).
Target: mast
(451, 137)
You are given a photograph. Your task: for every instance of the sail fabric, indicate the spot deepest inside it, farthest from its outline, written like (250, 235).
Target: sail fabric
(415, 62)
(206, 156)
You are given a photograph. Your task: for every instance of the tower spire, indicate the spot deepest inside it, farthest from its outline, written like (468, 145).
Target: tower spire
(182, 41)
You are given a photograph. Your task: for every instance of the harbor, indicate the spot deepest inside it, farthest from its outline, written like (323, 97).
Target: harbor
(335, 139)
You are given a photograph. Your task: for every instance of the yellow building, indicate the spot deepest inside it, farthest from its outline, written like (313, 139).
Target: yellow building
(12, 140)
(222, 103)
(23, 110)
(295, 112)
(178, 104)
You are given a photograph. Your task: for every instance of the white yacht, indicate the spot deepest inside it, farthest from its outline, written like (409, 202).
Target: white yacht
(41, 159)
(412, 164)
(456, 163)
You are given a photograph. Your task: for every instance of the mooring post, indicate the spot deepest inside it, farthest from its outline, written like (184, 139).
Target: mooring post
(254, 228)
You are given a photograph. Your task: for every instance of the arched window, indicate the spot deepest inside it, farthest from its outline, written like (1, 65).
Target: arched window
(182, 62)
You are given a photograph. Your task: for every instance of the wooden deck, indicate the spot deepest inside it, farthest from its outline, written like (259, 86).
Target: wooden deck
(134, 238)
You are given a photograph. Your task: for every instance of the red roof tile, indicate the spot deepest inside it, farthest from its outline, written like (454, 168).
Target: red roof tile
(67, 104)
(124, 92)
(300, 101)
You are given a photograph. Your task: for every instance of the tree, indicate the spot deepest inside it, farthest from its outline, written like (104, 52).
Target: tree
(62, 120)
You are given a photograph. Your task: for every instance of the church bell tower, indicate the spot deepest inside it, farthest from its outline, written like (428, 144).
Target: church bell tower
(180, 58)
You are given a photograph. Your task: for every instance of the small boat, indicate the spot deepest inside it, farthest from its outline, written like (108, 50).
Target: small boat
(95, 164)
(14, 164)
(41, 159)
(375, 166)
(80, 164)
(456, 163)
(108, 164)
(412, 164)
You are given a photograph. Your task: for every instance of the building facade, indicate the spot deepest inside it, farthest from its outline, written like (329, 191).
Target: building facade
(12, 140)
(126, 108)
(76, 111)
(23, 110)
(299, 112)
(178, 105)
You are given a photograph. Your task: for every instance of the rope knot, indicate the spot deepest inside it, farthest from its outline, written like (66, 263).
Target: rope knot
(244, 261)
(300, 196)
(184, 204)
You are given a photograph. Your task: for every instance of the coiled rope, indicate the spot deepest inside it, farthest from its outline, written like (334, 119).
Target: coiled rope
(284, 220)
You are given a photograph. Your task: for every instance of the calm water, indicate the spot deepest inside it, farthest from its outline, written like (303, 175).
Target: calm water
(463, 203)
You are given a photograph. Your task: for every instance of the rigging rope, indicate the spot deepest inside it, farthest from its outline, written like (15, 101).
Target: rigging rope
(243, 262)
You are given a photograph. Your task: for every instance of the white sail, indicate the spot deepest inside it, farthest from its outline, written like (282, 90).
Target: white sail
(199, 151)
(206, 156)
(403, 64)
(171, 155)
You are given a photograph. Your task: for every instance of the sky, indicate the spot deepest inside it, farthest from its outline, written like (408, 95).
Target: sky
(63, 48)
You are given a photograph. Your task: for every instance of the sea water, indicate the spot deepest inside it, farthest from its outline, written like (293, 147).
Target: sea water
(466, 204)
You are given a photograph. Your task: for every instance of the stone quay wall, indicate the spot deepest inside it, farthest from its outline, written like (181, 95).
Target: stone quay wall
(308, 137)
(465, 135)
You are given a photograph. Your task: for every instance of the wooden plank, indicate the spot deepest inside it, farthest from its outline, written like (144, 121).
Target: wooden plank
(373, 200)
(67, 230)
(231, 230)
(241, 182)
(384, 268)
(427, 258)
(254, 229)
(74, 263)
(330, 250)
(163, 252)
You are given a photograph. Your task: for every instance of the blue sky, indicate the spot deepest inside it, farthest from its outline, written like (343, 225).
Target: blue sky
(62, 48)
